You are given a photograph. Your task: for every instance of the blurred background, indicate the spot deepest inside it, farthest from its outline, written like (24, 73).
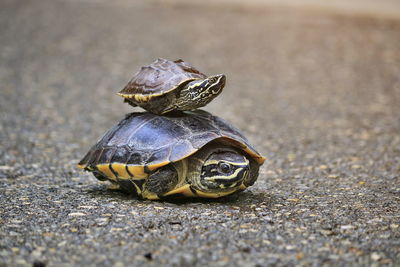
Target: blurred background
(290, 64)
(314, 85)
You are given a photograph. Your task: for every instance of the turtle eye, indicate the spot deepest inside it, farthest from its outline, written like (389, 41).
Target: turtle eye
(224, 167)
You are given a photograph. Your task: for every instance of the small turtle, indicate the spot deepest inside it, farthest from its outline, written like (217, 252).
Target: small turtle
(193, 154)
(167, 85)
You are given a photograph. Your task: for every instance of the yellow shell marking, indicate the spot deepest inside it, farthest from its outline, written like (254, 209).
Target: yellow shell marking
(214, 195)
(81, 166)
(150, 196)
(145, 98)
(105, 169)
(137, 97)
(125, 95)
(157, 165)
(137, 171)
(260, 159)
(121, 170)
(186, 191)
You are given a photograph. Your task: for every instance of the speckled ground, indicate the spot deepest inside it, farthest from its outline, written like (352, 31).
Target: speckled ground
(318, 95)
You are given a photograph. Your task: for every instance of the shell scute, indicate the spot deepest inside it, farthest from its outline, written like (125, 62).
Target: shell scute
(151, 140)
(181, 150)
(107, 154)
(224, 127)
(159, 156)
(160, 77)
(197, 124)
(95, 156)
(198, 140)
(154, 134)
(121, 155)
(123, 131)
(136, 158)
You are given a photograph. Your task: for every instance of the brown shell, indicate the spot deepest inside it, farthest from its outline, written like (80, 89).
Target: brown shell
(160, 77)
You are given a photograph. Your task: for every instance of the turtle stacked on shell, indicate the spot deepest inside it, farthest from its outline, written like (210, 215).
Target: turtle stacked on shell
(173, 149)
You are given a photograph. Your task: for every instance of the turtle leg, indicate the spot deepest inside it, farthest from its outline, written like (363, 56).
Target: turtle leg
(162, 180)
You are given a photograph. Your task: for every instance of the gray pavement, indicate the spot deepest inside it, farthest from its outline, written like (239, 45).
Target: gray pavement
(317, 94)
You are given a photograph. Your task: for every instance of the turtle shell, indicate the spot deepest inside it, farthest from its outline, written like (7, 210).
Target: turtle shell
(143, 142)
(158, 78)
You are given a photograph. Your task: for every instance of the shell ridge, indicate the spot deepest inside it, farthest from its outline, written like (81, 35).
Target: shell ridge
(141, 125)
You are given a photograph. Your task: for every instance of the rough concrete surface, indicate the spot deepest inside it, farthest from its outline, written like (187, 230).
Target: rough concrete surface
(318, 95)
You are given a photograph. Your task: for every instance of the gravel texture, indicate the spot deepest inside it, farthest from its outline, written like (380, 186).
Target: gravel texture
(318, 95)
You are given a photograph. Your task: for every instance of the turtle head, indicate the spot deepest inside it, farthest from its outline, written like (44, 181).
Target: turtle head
(199, 93)
(223, 171)
(214, 84)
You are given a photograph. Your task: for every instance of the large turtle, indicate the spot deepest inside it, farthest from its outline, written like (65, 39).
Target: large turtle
(167, 85)
(194, 154)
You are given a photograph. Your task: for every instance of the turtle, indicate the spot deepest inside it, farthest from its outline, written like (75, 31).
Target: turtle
(185, 154)
(167, 85)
